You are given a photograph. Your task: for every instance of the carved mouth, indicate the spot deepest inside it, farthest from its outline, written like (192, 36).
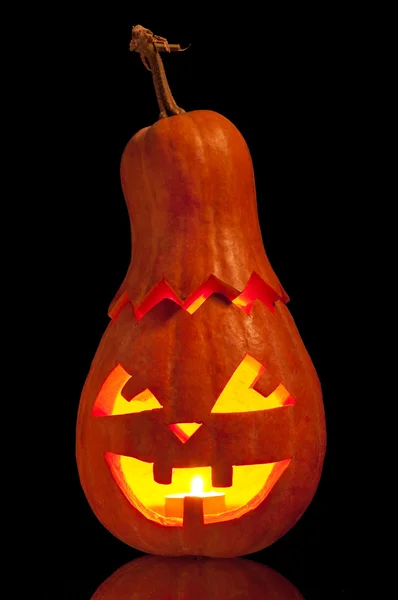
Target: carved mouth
(146, 483)
(251, 485)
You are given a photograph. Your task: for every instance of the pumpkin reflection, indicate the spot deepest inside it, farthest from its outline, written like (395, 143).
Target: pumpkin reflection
(162, 578)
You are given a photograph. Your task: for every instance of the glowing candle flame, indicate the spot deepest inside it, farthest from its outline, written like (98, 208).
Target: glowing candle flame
(197, 485)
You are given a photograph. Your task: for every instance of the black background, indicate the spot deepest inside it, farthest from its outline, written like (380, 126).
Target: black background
(291, 81)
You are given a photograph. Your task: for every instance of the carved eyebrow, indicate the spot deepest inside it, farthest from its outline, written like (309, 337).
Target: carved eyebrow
(110, 400)
(238, 394)
(255, 289)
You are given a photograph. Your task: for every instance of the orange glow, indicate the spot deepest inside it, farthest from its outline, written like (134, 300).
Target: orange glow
(196, 303)
(212, 285)
(111, 402)
(117, 308)
(109, 395)
(251, 483)
(184, 430)
(239, 396)
(255, 288)
(197, 485)
(161, 291)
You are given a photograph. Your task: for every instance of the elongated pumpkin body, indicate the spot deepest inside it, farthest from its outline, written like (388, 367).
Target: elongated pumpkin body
(201, 371)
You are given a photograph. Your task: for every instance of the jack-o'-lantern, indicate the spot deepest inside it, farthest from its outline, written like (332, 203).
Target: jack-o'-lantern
(195, 579)
(201, 425)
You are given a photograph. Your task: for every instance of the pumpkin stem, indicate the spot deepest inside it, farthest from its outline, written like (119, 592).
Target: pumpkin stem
(149, 46)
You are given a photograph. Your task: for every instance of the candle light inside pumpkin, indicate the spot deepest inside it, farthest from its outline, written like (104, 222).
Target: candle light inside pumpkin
(213, 502)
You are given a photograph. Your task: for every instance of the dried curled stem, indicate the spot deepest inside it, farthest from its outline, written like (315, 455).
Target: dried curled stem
(148, 46)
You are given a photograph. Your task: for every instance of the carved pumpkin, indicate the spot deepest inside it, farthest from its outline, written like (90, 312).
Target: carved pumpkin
(193, 579)
(201, 371)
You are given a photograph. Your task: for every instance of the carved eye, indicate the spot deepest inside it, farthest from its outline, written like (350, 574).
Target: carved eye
(144, 401)
(111, 402)
(238, 394)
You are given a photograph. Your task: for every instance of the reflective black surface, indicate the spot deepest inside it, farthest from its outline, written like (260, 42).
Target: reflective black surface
(316, 571)
(287, 85)
(194, 579)
(312, 556)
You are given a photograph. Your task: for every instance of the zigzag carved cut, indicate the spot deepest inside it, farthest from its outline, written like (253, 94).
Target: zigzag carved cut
(255, 289)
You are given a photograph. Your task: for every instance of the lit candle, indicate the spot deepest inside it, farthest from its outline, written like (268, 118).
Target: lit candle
(213, 502)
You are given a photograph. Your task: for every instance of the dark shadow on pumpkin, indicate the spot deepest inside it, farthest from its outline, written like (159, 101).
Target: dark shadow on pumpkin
(195, 579)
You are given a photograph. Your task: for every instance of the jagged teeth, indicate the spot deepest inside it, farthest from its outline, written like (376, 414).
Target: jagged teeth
(162, 474)
(222, 475)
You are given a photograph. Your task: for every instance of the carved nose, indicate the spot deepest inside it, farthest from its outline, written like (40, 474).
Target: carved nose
(184, 430)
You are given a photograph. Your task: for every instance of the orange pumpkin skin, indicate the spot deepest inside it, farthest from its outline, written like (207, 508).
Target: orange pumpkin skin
(189, 187)
(193, 579)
